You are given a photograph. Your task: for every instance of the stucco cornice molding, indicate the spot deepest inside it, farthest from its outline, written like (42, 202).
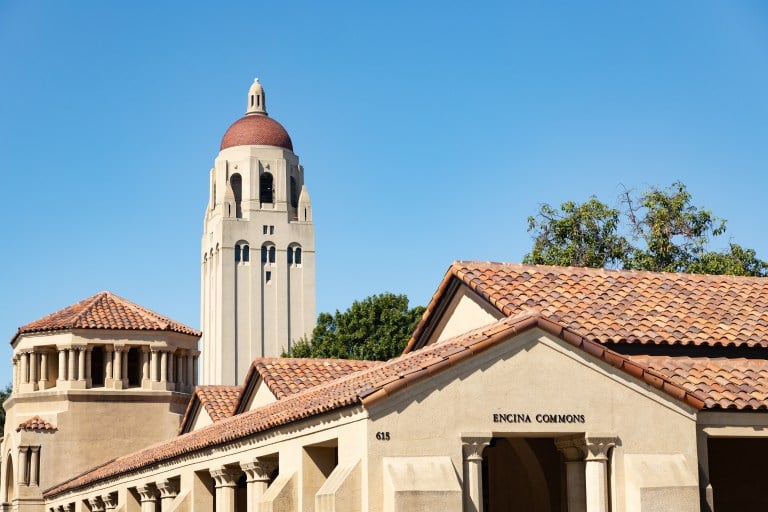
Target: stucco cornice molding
(225, 476)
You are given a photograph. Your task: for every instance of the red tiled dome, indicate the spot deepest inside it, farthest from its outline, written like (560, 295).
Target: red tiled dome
(256, 130)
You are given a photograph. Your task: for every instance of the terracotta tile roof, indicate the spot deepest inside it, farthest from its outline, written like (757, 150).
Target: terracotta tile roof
(218, 401)
(615, 306)
(35, 423)
(366, 387)
(286, 376)
(105, 311)
(726, 383)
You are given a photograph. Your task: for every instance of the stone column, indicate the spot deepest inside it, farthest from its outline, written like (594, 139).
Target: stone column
(24, 356)
(117, 366)
(81, 364)
(148, 497)
(34, 465)
(171, 369)
(573, 450)
(195, 378)
(596, 472)
(257, 479)
(15, 379)
(62, 366)
(168, 491)
(473, 446)
(179, 373)
(108, 375)
(33, 369)
(153, 367)
(22, 470)
(190, 372)
(97, 505)
(70, 364)
(145, 367)
(124, 355)
(225, 480)
(110, 501)
(43, 384)
(164, 366)
(88, 355)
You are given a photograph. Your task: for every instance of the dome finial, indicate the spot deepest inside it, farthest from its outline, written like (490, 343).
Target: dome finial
(256, 100)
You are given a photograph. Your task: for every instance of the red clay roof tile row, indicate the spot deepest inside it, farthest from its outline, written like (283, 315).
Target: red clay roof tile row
(365, 387)
(612, 306)
(35, 423)
(105, 311)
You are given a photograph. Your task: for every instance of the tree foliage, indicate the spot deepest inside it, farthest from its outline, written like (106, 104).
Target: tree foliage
(4, 394)
(375, 328)
(660, 230)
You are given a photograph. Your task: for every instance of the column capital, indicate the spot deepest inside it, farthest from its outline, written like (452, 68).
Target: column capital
(110, 501)
(147, 492)
(573, 448)
(474, 443)
(119, 347)
(79, 346)
(97, 505)
(34, 449)
(259, 469)
(168, 489)
(225, 477)
(599, 445)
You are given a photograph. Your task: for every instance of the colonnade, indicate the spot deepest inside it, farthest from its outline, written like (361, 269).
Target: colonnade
(586, 463)
(257, 477)
(71, 367)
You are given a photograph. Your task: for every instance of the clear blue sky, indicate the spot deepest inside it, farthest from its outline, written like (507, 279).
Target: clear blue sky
(428, 132)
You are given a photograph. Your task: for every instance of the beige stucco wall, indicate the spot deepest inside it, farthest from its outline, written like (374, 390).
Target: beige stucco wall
(533, 374)
(465, 311)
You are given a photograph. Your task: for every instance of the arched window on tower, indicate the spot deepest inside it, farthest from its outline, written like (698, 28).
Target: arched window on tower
(294, 193)
(242, 252)
(237, 253)
(267, 253)
(294, 255)
(266, 189)
(246, 254)
(236, 182)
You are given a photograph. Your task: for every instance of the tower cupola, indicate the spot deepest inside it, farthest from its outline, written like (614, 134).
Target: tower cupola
(256, 101)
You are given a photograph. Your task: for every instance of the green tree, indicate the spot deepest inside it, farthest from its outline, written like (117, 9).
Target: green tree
(659, 230)
(375, 328)
(582, 235)
(4, 394)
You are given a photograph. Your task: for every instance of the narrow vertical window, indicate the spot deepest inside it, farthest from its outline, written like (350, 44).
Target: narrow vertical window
(246, 253)
(236, 182)
(290, 256)
(272, 254)
(294, 193)
(237, 253)
(263, 253)
(297, 256)
(266, 192)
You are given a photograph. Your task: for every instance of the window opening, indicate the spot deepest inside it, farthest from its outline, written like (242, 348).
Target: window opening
(237, 189)
(271, 230)
(246, 253)
(294, 194)
(237, 253)
(134, 367)
(290, 255)
(266, 191)
(268, 276)
(272, 254)
(97, 367)
(266, 228)
(297, 256)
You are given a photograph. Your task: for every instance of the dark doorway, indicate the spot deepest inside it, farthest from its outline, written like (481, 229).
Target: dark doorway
(738, 472)
(523, 474)
(134, 367)
(97, 367)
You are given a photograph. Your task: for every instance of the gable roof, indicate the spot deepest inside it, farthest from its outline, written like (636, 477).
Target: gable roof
(105, 310)
(367, 387)
(286, 376)
(218, 401)
(618, 306)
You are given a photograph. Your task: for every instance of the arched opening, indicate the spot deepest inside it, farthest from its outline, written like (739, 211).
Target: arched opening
(10, 478)
(294, 255)
(266, 189)
(134, 367)
(297, 256)
(237, 253)
(97, 367)
(294, 194)
(272, 254)
(236, 182)
(522, 474)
